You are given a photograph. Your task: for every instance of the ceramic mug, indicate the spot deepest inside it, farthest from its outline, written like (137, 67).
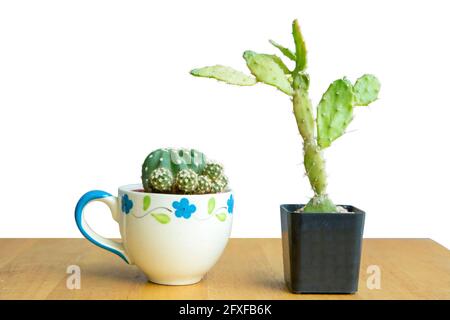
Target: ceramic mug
(174, 239)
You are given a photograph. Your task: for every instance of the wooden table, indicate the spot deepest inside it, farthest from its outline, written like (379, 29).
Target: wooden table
(248, 269)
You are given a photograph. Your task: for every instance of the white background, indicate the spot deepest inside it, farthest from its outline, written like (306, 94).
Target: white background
(88, 88)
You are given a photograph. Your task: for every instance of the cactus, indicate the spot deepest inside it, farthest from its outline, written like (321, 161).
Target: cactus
(215, 187)
(221, 181)
(161, 179)
(333, 114)
(219, 184)
(186, 181)
(213, 170)
(182, 171)
(204, 185)
(173, 160)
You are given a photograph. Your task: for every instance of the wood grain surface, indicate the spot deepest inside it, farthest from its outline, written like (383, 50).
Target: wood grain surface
(248, 269)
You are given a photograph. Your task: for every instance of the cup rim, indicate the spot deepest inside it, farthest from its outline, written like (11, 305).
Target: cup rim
(131, 189)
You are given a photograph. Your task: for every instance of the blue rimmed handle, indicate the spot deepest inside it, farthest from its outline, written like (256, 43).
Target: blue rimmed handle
(107, 244)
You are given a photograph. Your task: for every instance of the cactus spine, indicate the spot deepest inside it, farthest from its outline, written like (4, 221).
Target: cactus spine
(334, 112)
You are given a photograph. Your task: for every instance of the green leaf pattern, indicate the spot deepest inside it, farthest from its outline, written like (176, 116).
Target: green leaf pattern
(147, 202)
(211, 205)
(221, 216)
(161, 217)
(165, 218)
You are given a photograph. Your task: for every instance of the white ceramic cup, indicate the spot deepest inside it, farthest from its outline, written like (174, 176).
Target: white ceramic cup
(174, 239)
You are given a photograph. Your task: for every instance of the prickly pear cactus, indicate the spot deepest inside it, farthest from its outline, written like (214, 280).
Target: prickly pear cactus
(334, 112)
(173, 160)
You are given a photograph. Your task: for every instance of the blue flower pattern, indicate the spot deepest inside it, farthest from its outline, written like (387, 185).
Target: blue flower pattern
(183, 209)
(127, 204)
(230, 204)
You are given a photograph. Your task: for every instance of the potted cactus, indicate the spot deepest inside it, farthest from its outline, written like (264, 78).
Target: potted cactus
(187, 206)
(321, 240)
(176, 224)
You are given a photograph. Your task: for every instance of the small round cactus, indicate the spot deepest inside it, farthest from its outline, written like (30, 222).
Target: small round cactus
(216, 187)
(213, 170)
(186, 181)
(219, 184)
(222, 182)
(204, 185)
(161, 179)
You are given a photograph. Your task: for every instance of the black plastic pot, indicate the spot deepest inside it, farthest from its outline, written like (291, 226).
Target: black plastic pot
(321, 251)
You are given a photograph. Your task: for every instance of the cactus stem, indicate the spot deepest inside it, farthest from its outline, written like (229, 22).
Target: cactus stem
(313, 160)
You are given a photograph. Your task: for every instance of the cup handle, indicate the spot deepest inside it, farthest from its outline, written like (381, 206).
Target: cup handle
(107, 244)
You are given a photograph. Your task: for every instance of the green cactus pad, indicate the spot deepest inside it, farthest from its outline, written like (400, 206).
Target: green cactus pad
(280, 63)
(225, 74)
(366, 90)
(213, 170)
(186, 181)
(204, 185)
(266, 68)
(300, 47)
(161, 179)
(335, 111)
(285, 51)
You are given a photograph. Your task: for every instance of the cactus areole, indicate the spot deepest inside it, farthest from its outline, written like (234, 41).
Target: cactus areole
(333, 113)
